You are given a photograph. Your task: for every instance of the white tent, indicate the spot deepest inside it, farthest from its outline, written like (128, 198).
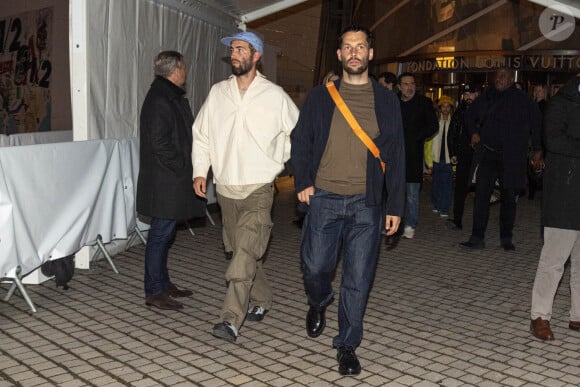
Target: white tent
(113, 42)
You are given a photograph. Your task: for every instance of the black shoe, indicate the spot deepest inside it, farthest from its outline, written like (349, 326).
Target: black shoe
(315, 322)
(348, 363)
(256, 313)
(299, 222)
(472, 244)
(163, 301)
(225, 331)
(508, 246)
(451, 225)
(174, 292)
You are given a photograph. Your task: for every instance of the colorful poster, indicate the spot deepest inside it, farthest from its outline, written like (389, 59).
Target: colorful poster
(25, 69)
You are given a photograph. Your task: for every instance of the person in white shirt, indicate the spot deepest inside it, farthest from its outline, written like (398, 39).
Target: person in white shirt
(243, 133)
(442, 165)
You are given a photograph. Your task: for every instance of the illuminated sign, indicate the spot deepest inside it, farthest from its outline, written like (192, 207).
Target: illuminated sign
(488, 62)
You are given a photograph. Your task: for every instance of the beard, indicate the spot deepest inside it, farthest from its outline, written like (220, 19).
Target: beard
(364, 65)
(242, 68)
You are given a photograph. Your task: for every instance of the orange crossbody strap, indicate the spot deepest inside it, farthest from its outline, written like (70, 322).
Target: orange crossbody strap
(360, 133)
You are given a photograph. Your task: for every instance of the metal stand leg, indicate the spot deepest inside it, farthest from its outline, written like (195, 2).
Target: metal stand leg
(209, 217)
(189, 227)
(130, 241)
(16, 282)
(140, 234)
(106, 254)
(10, 291)
(137, 233)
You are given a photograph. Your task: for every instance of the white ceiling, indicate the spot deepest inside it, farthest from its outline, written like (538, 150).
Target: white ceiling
(246, 11)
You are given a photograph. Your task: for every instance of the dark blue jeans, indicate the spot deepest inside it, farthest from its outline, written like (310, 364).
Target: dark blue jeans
(442, 185)
(334, 220)
(412, 205)
(159, 240)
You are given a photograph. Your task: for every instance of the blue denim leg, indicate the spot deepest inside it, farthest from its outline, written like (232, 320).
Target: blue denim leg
(331, 220)
(321, 239)
(412, 205)
(442, 185)
(361, 246)
(159, 240)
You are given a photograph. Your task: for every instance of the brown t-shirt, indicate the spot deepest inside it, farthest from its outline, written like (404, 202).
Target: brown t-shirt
(343, 165)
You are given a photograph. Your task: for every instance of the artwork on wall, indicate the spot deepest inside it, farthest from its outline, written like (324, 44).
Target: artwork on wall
(25, 72)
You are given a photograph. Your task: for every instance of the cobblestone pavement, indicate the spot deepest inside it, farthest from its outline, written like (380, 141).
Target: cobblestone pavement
(437, 316)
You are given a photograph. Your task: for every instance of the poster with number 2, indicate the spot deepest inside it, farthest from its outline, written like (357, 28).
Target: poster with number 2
(25, 67)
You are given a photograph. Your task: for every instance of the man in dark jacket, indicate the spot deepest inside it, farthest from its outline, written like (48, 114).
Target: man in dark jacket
(561, 210)
(461, 154)
(342, 184)
(165, 186)
(420, 123)
(500, 123)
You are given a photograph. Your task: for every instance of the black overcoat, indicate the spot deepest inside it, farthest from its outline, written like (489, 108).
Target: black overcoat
(419, 123)
(165, 186)
(561, 185)
(507, 120)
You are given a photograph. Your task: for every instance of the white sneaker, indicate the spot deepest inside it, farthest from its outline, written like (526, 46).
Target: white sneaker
(409, 232)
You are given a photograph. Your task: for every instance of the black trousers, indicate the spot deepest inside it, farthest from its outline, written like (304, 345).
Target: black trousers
(490, 169)
(462, 187)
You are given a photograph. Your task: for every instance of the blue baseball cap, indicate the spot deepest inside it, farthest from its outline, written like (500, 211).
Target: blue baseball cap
(248, 37)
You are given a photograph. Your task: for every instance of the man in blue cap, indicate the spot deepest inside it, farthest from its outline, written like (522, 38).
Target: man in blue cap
(243, 133)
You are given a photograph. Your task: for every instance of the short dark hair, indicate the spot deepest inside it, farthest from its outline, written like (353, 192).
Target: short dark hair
(356, 28)
(405, 74)
(389, 77)
(166, 63)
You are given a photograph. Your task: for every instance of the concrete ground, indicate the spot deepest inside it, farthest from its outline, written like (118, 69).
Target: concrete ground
(437, 316)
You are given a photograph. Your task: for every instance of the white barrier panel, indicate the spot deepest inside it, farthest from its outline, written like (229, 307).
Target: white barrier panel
(57, 198)
(40, 137)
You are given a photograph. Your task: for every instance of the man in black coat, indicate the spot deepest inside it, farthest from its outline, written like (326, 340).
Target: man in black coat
(165, 186)
(461, 152)
(560, 211)
(500, 123)
(419, 123)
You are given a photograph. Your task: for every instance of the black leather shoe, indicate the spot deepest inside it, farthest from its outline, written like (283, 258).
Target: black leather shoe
(508, 246)
(348, 363)
(315, 321)
(472, 244)
(163, 301)
(299, 221)
(174, 292)
(451, 225)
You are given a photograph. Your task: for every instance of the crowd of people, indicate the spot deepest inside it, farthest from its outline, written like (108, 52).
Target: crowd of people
(357, 154)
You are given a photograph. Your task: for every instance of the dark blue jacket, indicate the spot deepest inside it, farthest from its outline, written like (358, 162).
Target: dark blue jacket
(310, 136)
